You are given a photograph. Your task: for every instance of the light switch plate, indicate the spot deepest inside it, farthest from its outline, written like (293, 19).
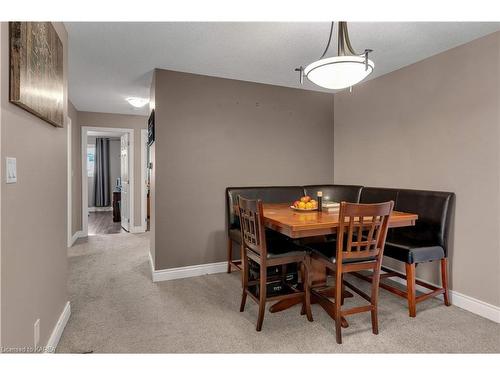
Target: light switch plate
(11, 170)
(36, 334)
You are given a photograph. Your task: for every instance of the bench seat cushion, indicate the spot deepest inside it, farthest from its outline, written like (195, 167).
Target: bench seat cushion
(235, 235)
(412, 251)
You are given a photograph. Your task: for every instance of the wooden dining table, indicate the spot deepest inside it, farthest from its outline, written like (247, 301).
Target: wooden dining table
(305, 225)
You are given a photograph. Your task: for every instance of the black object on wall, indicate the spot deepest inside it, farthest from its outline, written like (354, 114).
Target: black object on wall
(151, 128)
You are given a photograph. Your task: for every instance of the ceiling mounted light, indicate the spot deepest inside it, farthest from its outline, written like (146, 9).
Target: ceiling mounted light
(339, 72)
(137, 102)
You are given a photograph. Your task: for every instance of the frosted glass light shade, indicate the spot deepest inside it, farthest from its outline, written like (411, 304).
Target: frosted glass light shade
(338, 72)
(137, 102)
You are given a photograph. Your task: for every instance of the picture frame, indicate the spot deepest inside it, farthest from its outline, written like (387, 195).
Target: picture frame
(36, 70)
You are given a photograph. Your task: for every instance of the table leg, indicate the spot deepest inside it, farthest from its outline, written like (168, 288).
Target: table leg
(328, 306)
(319, 275)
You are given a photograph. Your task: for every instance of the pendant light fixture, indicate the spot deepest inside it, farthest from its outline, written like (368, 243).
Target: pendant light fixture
(338, 72)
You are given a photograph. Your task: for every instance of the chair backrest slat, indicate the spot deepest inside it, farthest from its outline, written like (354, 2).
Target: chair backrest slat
(252, 225)
(365, 226)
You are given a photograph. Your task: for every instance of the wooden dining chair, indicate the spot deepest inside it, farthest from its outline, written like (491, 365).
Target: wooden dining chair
(359, 246)
(267, 252)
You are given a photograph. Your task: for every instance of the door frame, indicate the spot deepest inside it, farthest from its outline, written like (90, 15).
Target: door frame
(70, 183)
(144, 197)
(131, 166)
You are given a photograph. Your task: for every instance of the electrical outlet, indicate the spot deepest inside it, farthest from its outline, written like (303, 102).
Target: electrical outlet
(36, 334)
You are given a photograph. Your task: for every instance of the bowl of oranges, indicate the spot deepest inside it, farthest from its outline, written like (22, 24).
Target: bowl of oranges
(305, 204)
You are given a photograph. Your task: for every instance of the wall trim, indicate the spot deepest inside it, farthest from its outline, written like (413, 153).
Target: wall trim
(144, 178)
(85, 208)
(188, 271)
(58, 329)
(76, 236)
(463, 301)
(69, 177)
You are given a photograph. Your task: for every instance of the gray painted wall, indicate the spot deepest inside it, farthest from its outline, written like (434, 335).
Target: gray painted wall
(33, 215)
(212, 133)
(435, 125)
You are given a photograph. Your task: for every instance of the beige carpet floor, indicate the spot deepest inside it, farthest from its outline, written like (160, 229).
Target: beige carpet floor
(116, 308)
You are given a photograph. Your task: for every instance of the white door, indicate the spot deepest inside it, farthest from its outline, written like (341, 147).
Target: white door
(125, 209)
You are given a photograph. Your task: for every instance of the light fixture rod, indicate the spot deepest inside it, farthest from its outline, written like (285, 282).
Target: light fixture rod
(344, 41)
(329, 40)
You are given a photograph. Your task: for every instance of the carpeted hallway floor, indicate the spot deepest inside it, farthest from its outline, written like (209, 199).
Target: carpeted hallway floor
(116, 308)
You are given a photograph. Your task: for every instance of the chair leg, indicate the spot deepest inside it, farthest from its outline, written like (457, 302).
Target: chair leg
(229, 254)
(304, 285)
(307, 290)
(343, 291)
(374, 299)
(243, 256)
(444, 280)
(338, 298)
(244, 264)
(262, 296)
(410, 286)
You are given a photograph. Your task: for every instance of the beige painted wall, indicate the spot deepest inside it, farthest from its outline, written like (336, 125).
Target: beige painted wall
(33, 216)
(1, 182)
(111, 120)
(212, 133)
(435, 125)
(76, 162)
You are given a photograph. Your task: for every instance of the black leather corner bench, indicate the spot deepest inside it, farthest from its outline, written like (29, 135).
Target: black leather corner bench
(427, 241)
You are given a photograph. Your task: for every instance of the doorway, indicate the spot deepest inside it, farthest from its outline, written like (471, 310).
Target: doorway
(107, 180)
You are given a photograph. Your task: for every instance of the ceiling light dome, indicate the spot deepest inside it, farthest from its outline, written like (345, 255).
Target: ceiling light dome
(339, 72)
(137, 102)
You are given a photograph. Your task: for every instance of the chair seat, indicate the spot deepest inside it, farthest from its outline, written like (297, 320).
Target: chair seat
(412, 251)
(328, 250)
(279, 246)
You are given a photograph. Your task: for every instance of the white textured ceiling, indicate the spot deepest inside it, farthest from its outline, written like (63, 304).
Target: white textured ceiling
(109, 61)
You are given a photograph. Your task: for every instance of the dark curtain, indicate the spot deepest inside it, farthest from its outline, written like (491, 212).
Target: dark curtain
(102, 179)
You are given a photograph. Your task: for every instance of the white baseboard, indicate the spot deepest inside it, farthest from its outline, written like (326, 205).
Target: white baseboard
(58, 329)
(99, 209)
(458, 299)
(473, 305)
(76, 236)
(189, 271)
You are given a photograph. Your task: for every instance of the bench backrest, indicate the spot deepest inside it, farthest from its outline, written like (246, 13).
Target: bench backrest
(434, 209)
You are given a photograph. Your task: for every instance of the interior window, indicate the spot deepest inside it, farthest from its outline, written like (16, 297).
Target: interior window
(90, 160)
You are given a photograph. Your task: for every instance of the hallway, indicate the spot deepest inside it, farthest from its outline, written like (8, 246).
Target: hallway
(101, 222)
(116, 308)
